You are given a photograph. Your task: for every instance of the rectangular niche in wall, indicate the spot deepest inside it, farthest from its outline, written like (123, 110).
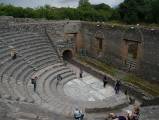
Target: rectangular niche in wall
(131, 53)
(99, 43)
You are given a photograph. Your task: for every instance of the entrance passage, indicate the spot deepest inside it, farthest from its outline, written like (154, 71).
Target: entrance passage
(132, 54)
(132, 50)
(67, 55)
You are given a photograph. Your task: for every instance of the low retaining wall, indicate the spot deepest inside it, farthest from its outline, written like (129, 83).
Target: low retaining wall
(136, 92)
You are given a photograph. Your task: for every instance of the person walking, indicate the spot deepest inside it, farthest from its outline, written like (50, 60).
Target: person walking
(105, 81)
(117, 86)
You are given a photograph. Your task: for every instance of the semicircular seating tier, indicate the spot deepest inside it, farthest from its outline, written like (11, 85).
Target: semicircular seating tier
(37, 57)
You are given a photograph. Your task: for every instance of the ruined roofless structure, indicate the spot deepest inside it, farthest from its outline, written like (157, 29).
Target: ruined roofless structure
(41, 44)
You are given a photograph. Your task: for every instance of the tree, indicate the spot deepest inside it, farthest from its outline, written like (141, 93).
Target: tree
(83, 2)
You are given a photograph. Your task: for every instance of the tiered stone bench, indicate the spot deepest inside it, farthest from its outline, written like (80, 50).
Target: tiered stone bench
(54, 98)
(34, 51)
(36, 57)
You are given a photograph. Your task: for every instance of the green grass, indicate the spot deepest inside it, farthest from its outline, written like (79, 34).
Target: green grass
(98, 65)
(150, 88)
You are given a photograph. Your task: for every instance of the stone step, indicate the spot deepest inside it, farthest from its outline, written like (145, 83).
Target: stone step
(42, 79)
(36, 56)
(5, 92)
(60, 89)
(7, 33)
(37, 62)
(13, 35)
(22, 80)
(50, 85)
(44, 70)
(29, 45)
(24, 38)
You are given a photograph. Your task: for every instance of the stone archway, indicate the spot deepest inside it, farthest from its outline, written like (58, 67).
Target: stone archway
(67, 55)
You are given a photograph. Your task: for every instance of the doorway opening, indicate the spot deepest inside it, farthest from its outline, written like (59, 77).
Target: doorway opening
(132, 50)
(67, 55)
(99, 43)
(131, 54)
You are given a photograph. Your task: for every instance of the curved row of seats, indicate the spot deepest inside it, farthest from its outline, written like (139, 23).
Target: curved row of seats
(36, 57)
(47, 84)
(54, 98)
(34, 52)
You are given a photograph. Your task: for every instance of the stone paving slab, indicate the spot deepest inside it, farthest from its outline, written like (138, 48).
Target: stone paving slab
(89, 88)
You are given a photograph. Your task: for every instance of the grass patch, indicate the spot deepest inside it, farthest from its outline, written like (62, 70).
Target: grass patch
(98, 65)
(150, 88)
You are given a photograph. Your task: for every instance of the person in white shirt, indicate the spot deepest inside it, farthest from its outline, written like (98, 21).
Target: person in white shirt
(78, 115)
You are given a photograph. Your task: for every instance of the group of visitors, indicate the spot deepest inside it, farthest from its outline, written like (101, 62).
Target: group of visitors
(117, 84)
(130, 115)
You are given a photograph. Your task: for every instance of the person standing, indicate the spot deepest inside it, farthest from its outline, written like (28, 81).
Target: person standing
(13, 53)
(34, 82)
(134, 115)
(117, 86)
(105, 81)
(78, 115)
(81, 73)
(59, 78)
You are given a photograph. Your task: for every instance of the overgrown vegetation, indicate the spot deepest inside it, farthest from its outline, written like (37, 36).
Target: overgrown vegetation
(130, 78)
(147, 86)
(130, 11)
(99, 65)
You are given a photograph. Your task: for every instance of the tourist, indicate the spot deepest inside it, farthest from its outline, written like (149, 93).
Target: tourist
(13, 53)
(117, 86)
(59, 78)
(78, 115)
(81, 73)
(134, 115)
(34, 82)
(130, 99)
(112, 116)
(105, 81)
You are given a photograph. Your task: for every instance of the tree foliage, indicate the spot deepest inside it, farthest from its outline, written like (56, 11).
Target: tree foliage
(130, 11)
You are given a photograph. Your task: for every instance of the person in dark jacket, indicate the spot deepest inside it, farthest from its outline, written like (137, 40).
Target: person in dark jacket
(105, 81)
(34, 82)
(117, 86)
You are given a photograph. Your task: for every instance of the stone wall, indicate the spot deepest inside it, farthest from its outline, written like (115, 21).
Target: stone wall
(113, 51)
(87, 36)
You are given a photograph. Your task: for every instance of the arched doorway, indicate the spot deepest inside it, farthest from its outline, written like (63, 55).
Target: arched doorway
(67, 55)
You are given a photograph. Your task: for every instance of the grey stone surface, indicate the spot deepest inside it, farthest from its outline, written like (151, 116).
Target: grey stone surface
(32, 48)
(88, 88)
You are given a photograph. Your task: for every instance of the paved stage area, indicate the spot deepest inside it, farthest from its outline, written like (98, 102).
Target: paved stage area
(88, 88)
